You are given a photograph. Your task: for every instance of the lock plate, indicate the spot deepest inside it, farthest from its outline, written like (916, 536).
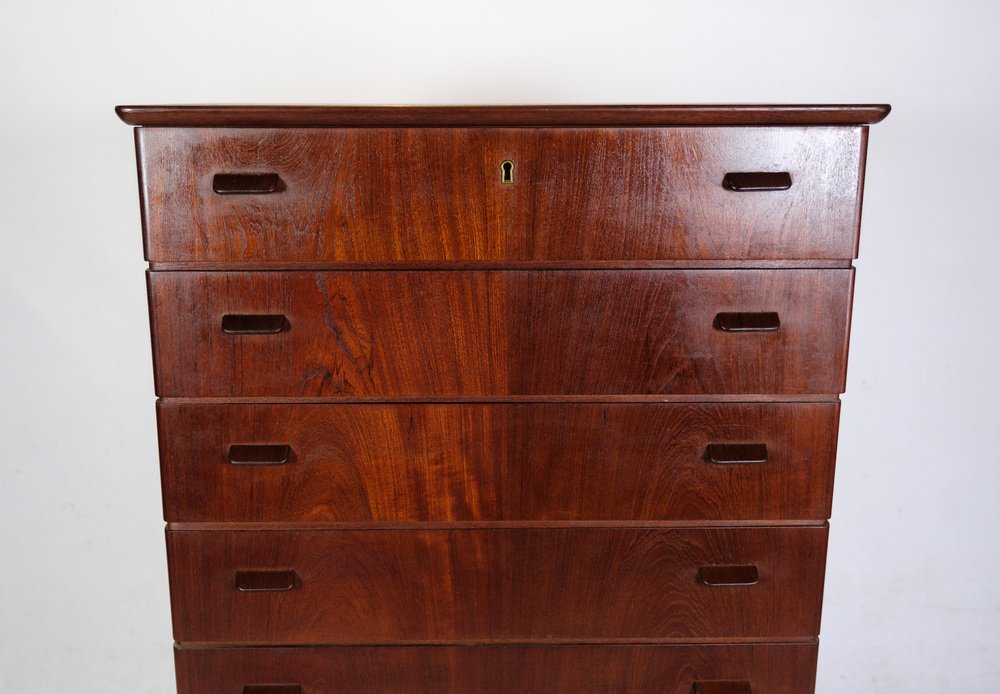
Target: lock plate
(507, 171)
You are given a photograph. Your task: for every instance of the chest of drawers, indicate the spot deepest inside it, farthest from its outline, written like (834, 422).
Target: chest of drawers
(481, 400)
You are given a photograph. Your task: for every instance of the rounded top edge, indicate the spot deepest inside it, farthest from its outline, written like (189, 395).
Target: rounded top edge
(514, 115)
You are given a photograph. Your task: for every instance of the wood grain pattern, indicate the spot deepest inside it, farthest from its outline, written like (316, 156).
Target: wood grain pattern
(384, 194)
(462, 333)
(647, 669)
(532, 585)
(549, 115)
(425, 431)
(495, 462)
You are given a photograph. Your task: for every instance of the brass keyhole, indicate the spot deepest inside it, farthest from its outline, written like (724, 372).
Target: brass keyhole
(507, 172)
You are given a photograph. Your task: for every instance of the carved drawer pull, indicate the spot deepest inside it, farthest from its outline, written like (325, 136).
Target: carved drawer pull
(729, 575)
(736, 453)
(265, 581)
(259, 454)
(722, 687)
(755, 181)
(247, 184)
(759, 322)
(253, 324)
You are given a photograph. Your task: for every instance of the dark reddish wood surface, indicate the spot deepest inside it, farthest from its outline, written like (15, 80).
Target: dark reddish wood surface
(278, 265)
(387, 195)
(460, 333)
(495, 462)
(547, 115)
(647, 669)
(474, 585)
(518, 487)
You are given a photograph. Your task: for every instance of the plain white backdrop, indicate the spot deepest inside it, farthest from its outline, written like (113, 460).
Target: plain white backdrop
(912, 599)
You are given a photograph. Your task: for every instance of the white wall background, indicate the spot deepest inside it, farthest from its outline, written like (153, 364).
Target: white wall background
(912, 603)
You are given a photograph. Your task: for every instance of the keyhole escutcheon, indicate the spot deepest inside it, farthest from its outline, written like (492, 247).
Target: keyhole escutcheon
(507, 171)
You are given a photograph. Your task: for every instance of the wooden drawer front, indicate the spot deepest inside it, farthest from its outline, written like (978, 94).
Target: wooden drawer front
(582, 194)
(585, 669)
(464, 333)
(503, 462)
(468, 585)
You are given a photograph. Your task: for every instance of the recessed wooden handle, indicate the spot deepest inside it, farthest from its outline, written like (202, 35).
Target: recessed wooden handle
(736, 453)
(259, 454)
(247, 183)
(722, 687)
(255, 324)
(265, 581)
(754, 181)
(272, 689)
(759, 322)
(729, 575)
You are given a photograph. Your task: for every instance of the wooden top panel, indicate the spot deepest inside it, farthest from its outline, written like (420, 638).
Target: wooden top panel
(538, 115)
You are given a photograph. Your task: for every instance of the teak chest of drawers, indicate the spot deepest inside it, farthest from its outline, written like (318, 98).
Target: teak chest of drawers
(523, 400)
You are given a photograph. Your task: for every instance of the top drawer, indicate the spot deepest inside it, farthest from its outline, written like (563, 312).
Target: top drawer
(398, 195)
